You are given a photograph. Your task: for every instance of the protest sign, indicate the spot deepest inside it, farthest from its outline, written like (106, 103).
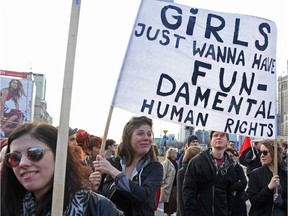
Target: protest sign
(201, 68)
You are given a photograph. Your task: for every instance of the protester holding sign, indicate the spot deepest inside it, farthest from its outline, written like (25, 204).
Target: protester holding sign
(267, 189)
(134, 175)
(28, 173)
(209, 180)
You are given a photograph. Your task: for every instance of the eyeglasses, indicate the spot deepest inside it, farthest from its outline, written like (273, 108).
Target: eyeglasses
(34, 154)
(264, 152)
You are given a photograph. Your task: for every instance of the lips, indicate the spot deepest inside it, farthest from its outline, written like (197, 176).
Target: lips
(28, 174)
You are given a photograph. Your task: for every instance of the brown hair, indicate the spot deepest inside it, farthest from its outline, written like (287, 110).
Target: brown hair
(190, 152)
(125, 148)
(212, 132)
(269, 144)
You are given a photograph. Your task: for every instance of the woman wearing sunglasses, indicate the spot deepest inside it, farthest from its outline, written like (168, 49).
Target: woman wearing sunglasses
(268, 192)
(28, 171)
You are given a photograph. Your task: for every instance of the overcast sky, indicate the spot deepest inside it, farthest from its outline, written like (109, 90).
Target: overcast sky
(34, 39)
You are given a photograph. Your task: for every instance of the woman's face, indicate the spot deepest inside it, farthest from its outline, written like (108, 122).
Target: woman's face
(173, 154)
(14, 84)
(265, 157)
(36, 177)
(141, 140)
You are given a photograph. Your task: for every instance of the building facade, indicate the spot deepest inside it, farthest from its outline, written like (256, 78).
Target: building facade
(283, 105)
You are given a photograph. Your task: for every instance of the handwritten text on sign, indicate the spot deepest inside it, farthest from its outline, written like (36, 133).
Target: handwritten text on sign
(201, 68)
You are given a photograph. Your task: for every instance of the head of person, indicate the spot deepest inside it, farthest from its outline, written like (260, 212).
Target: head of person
(29, 167)
(72, 136)
(110, 145)
(267, 152)
(137, 140)
(14, 83)
(94, 145)
(232, 153)
(284, 149)
(219, 140)
(17, 88)
(82, 138)
(257, 143)
(171, 153)
(193, 140)
(190, 153)
(231, 144)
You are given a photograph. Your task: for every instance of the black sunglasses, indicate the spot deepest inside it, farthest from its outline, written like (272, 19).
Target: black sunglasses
(264, 152)
(34, 154)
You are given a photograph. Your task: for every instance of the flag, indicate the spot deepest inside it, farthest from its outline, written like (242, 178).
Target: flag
(245, 148)
(175, 68)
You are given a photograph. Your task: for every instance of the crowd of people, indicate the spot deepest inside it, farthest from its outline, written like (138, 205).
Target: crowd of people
(129, 179)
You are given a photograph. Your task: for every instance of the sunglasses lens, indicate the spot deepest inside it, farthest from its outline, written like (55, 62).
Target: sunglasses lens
(35, 153)
(13, 159)
(265, 153)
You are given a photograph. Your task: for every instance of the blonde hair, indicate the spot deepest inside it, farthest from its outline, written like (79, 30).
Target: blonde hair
(170, 150)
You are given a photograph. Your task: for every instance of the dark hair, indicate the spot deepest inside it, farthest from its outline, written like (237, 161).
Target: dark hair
(109, 142)
(231, 150)
(125, 148)
(94, 141)
(13, 191)
(269, 144)
(192, 138)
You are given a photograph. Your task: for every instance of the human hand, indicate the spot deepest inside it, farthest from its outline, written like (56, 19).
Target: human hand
(278, 201)
(104, 166)
(95, 179)
(274, 182)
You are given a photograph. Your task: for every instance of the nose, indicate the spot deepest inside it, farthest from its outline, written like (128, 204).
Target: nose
(24, 161)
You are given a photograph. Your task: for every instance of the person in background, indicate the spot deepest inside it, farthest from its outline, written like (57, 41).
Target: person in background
(284, 154)
(192, 141)
(231, 144)
(72, 136)
(133, 176)
(110, 148)
(168, 194)
(190, 153)
(28, 173)
(91, 145)
(208, 184)
(239, 200)
(268, 191)
(252, 158)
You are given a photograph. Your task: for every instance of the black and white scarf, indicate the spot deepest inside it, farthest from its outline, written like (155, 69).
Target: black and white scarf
(77, 206)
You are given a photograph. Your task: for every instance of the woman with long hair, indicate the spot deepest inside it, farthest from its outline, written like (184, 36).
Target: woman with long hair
(28, 174)
(268, 191)
(14, 117)
(132, 178)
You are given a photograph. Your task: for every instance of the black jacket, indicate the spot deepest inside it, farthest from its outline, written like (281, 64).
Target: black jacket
(141, 199)
(207, 191)
(260, 196)
(99, 205)
(239, 201)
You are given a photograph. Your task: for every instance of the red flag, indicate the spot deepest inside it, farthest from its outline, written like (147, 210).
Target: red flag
(245, 148)
(246, 144)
